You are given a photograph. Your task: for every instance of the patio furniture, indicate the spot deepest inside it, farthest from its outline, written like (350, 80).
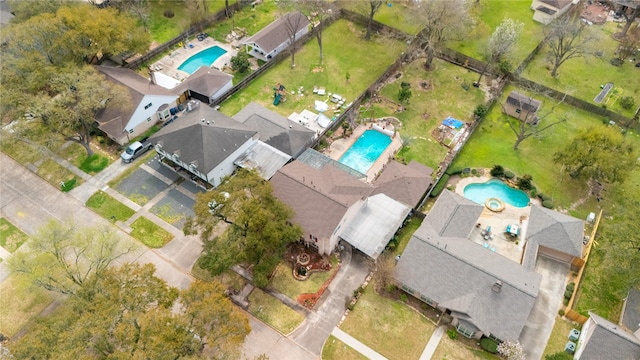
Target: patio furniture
(321, 91)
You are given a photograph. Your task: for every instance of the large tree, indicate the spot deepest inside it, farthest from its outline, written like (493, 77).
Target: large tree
(501, 43)
(258, 230)
(530, 123)
(77, 97)
(443, 21)
(568, 38)
(130, 313)
(63, 258)
(316, 12)
(599, 154)
(372, 8)
(630, 9)
(292, 22)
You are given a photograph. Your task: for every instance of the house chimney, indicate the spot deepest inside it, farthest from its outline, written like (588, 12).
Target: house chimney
(497, 286)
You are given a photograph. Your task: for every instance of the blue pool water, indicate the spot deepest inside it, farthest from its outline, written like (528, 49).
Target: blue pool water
(366, 150)
(480, 192)
(205, 57)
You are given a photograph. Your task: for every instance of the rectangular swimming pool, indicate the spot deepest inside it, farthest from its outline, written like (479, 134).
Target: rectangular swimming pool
(366, 150)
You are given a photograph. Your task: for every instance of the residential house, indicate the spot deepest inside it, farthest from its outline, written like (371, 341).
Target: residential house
(521, 107)
(206, 85)
(405, 183)
(267, 43)
(5, 13)
(630, 317)
(602, 339)
(275, 130)
(484, 293)
(546, 11)
(150, 103)
(332, 203)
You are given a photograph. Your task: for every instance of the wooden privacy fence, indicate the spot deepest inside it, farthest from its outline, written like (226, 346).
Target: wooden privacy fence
(576, 316)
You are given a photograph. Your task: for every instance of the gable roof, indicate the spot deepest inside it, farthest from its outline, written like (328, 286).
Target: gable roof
(319, 198)
(631, 313)
(607, 340)
(206, 81)
(555, 230)
(404, 183)
(558, 4)
(523, 102)
(376, 221)
(265, 159)
(453, 215)
(205, 145)
(276, 33)
(276, 130)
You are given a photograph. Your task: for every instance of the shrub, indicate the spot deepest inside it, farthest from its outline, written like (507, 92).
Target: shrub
(524, 182)
(561, 312)
(480, 111)
(565, 301)
(391, 288)
(616, 62)
(571, 286)
(240, 63)
(533, 192)
(350, 306)
(465, 85)
(544, 197)
(505, 67)
(627, 102)
(169, 13)
(454, 170)
(440, 185)
(548, 204)
(489, 345)
(474, 172)
(403, 297)
(497, 171)
(509, 174)
(452, 334)
(568, 293)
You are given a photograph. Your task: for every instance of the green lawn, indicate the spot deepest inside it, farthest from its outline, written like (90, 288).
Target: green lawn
(455, 350)
(582, 77)
(270, 310)
(250, 20)
(10, 236)
(559, 336)
(55, 174)
(405, 233)
(335, 349)
(21, 301)
(492, 143)
(149, 233)
(396, 16)
(488, 15)
(344, 52)
(386, 326)
(427, 108)
(108, 207)
(284, 282)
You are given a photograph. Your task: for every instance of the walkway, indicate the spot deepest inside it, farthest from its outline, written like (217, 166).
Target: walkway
(357, 345)
(432, 345)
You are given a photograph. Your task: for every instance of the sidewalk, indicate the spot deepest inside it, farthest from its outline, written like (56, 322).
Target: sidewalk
(357, 345)
(433, 343)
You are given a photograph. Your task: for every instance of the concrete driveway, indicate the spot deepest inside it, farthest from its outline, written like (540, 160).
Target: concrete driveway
(538, 328)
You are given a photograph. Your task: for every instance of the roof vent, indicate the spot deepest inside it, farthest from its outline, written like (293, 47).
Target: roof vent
(290, 126)
(208, 122)
(497, 286)
(202, 120)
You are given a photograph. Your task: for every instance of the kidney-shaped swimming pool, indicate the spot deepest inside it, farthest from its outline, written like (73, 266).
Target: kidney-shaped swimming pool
(480, 192)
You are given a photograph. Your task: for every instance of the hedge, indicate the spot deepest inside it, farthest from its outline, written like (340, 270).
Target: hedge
(489, 345)
(440, 185)
(548, 204)
(509, 174)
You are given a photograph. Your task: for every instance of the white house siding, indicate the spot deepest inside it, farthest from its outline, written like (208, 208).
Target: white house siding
(139, 123)
(222, 90)
(227, 167)
(587, 329)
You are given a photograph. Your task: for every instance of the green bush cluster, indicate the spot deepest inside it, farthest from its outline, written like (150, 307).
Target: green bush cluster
(548, 204)
(480, 111)
(455, 170)
(524, 182)
(509, 174)
(452, 334)
(497, 171)
(489, 345)
(440, 185)
(561, 312)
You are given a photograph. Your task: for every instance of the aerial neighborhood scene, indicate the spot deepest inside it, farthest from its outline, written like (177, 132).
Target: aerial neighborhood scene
(319, 179)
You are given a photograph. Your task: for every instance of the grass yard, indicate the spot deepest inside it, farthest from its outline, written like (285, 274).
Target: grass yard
(55, 175)
(492, 143)
(345, 51)
(405, 233)
(77, 155)
(455, 350)
(250, 19)
(149, 233)
(396, 16)
(559, 336)
(488, 16)
(20, 302)
(273, 312)
(335, 349)
(427, 108)
(108, 207)
(10, 236)
(284, 282)
(582, 77)
(386, 325)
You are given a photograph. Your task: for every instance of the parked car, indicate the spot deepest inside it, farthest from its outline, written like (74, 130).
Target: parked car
(135, 149)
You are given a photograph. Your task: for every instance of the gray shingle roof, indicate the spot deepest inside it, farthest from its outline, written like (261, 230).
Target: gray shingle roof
(405, 183)
(607, 340)
(453, 215)
(205, 81)
(274, 34)
(555, 230)
(524, 102)
(205, 145)
(281, 133)
(558, 4)
(631, 315)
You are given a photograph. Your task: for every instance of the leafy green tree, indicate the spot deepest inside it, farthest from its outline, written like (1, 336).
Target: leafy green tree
(24, 10)
(240, 63)
(600, 154)
(63, 258)
(404, 94)
(130, 313)
(258, 226)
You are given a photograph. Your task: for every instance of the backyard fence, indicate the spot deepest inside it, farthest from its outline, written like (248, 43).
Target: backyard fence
(376, 27)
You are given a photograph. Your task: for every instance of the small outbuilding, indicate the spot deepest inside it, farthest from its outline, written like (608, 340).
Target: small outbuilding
(276, 37)
(522, 107)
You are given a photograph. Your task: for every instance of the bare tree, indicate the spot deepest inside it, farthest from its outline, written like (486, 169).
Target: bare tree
(316, 12)
(443, 21)
(568, 38)
(374, 6)
(502, 41)
(293, 22)
(630, 9)
(527, 123)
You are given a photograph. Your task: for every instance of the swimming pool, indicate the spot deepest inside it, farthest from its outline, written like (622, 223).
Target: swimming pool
(480, 192)
(366, 150)
(205, 57)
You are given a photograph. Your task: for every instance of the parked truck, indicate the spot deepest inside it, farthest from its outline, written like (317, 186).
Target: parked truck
(135, 150)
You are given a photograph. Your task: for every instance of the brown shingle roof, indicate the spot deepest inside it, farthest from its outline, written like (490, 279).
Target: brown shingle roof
(404, 183)
(205, 81)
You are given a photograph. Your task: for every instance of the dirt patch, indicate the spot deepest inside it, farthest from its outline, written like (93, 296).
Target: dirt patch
(425, 115)
(395, 77)
(352, 28)
(317, 69)
(424, 85)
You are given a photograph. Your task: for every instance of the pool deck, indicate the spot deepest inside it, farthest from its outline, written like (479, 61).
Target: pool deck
(169, 64)
(340, 146)
(511, 215)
